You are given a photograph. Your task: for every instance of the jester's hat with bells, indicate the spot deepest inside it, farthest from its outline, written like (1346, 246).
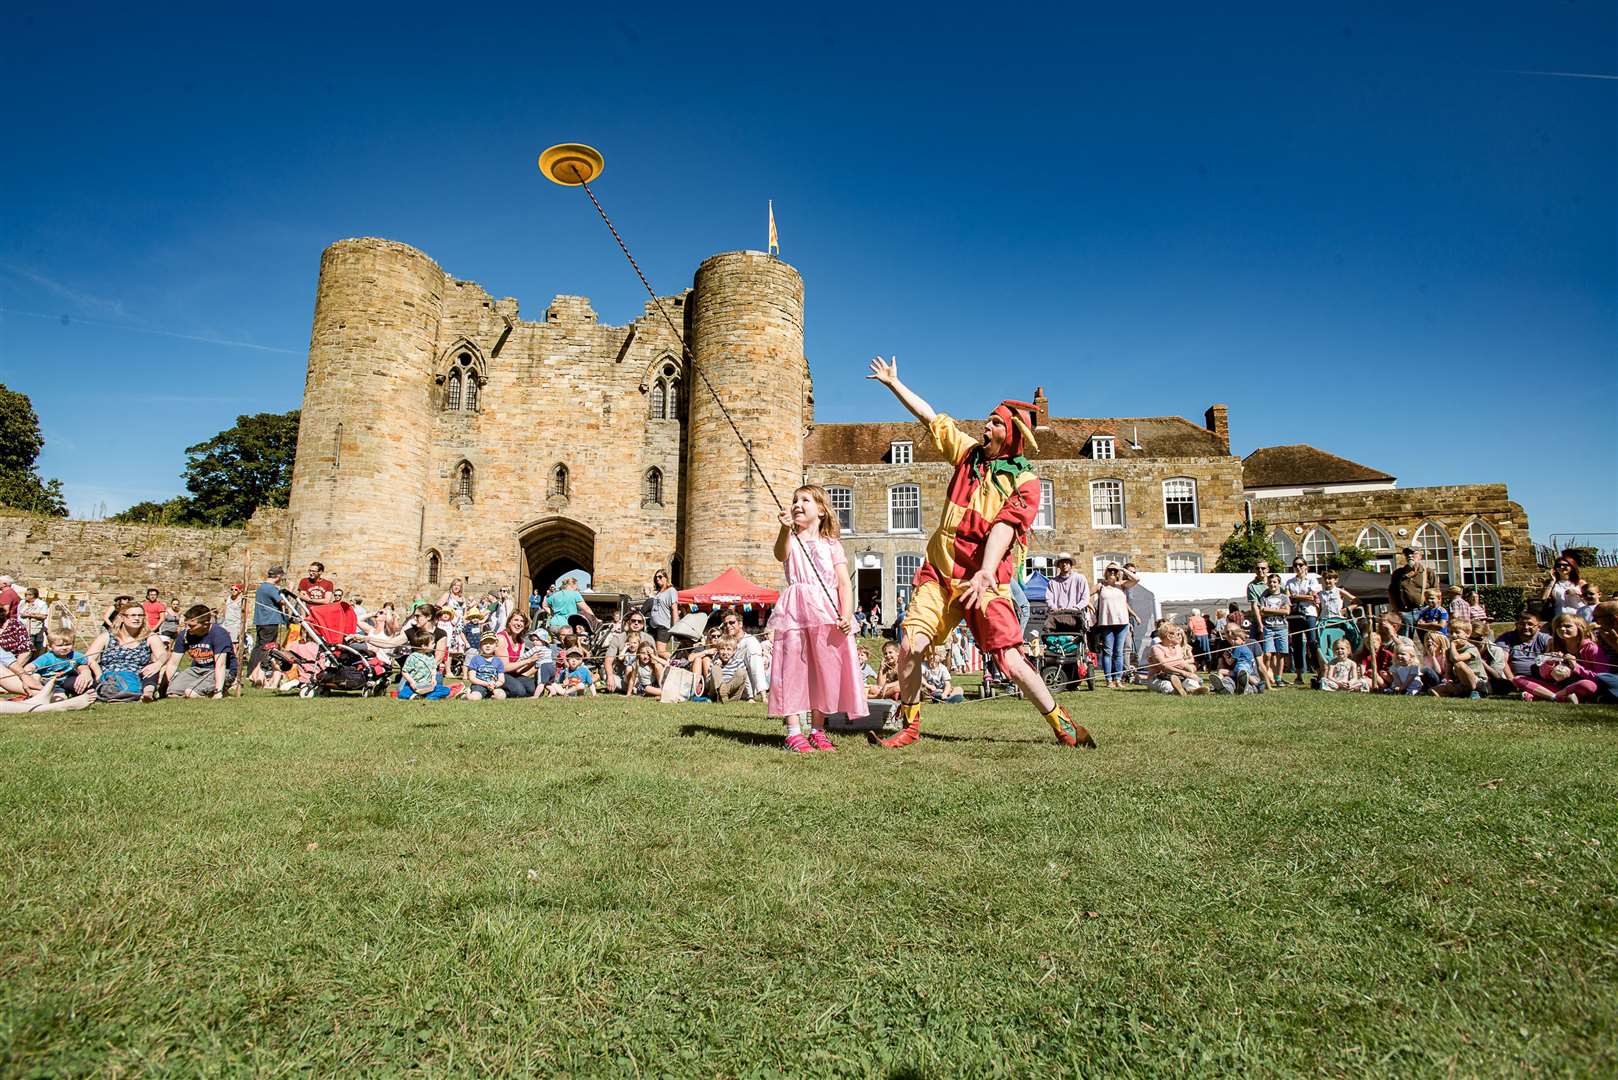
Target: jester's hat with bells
(1019, 418)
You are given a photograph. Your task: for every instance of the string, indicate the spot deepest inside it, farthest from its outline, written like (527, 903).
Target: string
(691, 361)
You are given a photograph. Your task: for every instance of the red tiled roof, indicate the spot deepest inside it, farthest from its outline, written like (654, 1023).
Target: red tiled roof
(1302, 465)
(1065, 437)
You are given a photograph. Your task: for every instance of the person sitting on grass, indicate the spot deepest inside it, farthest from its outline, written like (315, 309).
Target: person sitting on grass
(1342, 673)
(644, 677)
(1432, 618)
(1560, 674)
(421, 678)
(212, 655)
(485, 671)
(726, 674)
(1434, 660)
(1405, 676)
(887, 676)
(1467, 674)
(574, 678)
(935, 681)
(128, 659)
(1524, 644)
(1602, 657)
(1238, 670)
(1376, 659)
(1274, 607)
(60, 661)
(1170, 666)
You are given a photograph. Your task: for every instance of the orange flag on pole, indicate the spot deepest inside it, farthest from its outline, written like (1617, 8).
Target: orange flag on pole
(775, 241)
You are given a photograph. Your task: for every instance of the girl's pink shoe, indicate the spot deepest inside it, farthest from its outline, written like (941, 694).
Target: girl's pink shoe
(797, 744)
(818, 740)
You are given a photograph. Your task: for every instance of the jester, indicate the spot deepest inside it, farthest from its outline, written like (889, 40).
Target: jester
(991, 503)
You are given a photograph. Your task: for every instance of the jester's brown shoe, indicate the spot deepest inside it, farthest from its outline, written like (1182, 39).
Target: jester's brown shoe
(1067, 732)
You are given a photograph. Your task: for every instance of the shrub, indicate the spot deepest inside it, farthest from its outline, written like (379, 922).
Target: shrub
(1502, 602)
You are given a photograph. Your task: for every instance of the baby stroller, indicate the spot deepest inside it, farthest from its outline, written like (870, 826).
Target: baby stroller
(335, 668)
(1066, 662)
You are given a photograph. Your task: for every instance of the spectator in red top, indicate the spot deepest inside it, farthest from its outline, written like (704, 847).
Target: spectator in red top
(332, 619)
(9, 598)
(155, 609)
(315, 578)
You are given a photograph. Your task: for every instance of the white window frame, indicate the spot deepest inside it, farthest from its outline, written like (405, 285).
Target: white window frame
(1196, 516)
(845, 514)
(1108, 485)
(1312, 538)
(894, 507)
(1380, 549)
(901, 452)
(1192, 559)
(1046, 516)
(1440, 557)
(1103, 447)
(1285, 546)
(1098, 564)
(902, 580)
(1471, 573)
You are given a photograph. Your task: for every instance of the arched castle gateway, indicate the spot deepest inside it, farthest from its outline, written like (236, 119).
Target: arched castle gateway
(445, 436)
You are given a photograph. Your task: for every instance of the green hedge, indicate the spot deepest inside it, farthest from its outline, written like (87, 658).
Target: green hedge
(1502, 602)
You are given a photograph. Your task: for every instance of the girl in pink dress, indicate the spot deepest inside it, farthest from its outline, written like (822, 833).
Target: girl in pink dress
(814, 667)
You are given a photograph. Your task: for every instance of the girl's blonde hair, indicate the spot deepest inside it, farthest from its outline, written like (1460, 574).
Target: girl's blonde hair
(830, 528)
(1567, 618)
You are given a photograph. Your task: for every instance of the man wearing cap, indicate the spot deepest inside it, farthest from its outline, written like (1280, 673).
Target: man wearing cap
(1067, 596)
(1408, 589)
(268, 618)
(989, 506)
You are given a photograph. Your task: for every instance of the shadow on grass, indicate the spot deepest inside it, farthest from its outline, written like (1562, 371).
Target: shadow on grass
(746, 738)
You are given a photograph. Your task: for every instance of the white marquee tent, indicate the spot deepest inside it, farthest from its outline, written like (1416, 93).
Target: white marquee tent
(1160, 596)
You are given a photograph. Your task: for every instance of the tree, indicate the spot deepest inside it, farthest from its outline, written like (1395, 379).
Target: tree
(21, 440)
(1349, 557)
(242, 468)
(1248, 543)
(175, 511)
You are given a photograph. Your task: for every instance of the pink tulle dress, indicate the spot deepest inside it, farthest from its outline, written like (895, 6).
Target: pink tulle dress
(813, 665)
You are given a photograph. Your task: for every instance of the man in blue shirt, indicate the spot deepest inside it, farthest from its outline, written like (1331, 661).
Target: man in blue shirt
(268, 618)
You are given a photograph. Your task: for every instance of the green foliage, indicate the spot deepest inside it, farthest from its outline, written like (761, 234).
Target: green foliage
(1245, 546)
(1349, 557)
(1298, 884)
(175, 511)
(1502, 602)
(242, 468)
(21, 440)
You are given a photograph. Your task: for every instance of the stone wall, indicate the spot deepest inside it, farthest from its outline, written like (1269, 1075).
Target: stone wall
(93, 561)
(1400, 512)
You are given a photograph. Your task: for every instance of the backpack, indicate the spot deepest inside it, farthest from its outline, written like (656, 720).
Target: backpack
(118, 686)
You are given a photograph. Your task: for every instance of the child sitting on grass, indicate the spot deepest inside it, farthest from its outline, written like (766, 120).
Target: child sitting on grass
(575, 679)
(1169, 664)
(1343, 673)
(645, 675)
(61, 661)
(485, 672)
(935, 680)
(727, 673)
(1405, 676)
(887, 678)
(1238, 671)
(1560, 674)
(1467, 675)
(421, 678)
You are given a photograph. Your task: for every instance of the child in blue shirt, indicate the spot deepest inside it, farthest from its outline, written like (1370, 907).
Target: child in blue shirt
(421, 678)
(1433, 616)
(62, 662)
(1238, 668)
(575, 680)
(485, 672)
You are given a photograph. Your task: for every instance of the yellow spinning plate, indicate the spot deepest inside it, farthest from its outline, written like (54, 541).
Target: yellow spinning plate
(571, 164)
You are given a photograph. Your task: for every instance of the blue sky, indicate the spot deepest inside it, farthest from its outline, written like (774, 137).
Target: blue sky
(1372, 232)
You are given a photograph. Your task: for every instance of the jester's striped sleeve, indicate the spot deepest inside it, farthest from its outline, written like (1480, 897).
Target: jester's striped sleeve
(951, 442)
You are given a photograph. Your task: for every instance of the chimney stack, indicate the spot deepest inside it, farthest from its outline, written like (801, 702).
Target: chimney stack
(1042, 408)
(1217, 420)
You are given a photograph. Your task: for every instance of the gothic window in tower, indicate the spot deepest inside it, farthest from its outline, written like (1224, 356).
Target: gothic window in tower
(471, 394)
(658, 396)
(452, 392)
(463, 481)
(559, 480)
(652, 488)
(433, 564)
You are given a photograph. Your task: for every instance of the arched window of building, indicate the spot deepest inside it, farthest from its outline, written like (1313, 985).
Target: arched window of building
(1286, 547)
(651, 488)
(904, 574)
(1478, 551)
(463, 480)
(1375, 541)
(559, 480)
(1433, 543)
(656, 397)
(1106, 504)
(1318, 546)
(842, 504)
(1180, 503)
(472, 390)
(434, 565)
(452, 392)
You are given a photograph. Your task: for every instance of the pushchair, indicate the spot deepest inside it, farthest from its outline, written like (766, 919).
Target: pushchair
(336, 667)
(1066, 662)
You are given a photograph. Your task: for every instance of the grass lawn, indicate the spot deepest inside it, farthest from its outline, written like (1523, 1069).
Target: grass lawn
(1301, 883)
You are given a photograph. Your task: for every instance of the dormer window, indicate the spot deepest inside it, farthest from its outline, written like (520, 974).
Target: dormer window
(1102, 447)
(901, 452)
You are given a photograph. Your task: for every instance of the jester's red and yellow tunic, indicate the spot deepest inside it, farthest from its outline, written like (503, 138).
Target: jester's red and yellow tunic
(981, 494)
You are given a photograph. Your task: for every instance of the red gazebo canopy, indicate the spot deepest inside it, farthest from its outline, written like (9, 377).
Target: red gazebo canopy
(728, 588)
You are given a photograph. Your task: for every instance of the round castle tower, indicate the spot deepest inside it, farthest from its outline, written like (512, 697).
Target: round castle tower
(363, 440)
(747, 337)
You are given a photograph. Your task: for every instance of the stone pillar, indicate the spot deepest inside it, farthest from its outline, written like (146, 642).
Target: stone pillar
(747, 337)
(362, 466)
